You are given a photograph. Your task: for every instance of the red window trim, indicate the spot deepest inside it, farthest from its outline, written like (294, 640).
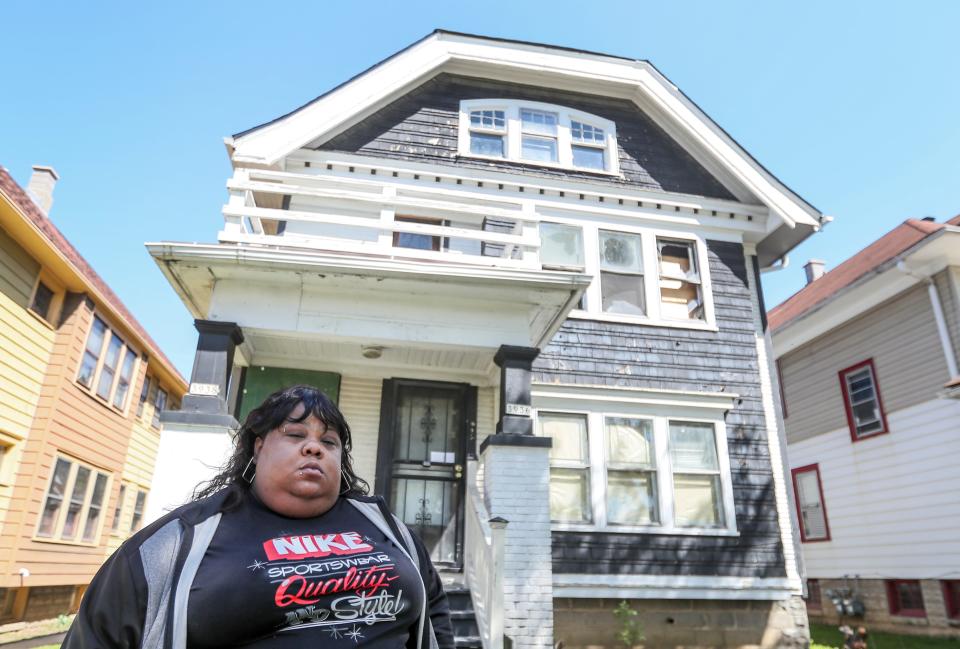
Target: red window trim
(893, 602)
(849, 409)
(953, 608)
(823, 502)
(783, 399)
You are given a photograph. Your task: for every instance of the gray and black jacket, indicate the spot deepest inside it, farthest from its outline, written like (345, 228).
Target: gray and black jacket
(138, 598)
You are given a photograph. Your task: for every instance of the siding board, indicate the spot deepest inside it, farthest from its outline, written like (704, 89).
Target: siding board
(586, 352)
(18, 271)
(422, 127)
(900, 335)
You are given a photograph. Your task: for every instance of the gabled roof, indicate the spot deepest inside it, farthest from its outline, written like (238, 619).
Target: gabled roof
(18, 197)
(532, 63)
(870, 259)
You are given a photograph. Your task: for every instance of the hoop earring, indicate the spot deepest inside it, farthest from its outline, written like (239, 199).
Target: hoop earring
(343, 476)
(249, 480)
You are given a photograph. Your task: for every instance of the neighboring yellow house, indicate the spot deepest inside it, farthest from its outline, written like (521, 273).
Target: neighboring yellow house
(81, 388)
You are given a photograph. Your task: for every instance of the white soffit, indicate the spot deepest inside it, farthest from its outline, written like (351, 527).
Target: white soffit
(522, 62)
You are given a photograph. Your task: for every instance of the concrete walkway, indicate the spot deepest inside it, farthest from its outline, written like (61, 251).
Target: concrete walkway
(39, 641)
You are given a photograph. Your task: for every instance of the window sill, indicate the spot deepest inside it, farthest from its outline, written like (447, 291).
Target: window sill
(824, 540)
(580, 314)
(46, 323)
(645, 529)
(535, 163)
(52, 541)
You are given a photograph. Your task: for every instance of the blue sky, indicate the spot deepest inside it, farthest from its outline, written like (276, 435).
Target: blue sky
(854, 105)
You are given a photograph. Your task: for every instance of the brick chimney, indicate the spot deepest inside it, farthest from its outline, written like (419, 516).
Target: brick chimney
(813, 269)
(41, 186)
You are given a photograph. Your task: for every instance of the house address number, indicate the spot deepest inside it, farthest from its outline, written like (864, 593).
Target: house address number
(205, 389)
(517, 409)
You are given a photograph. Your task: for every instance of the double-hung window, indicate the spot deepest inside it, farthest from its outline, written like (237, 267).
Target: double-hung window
(696, 475)
(108, 363)
(569, 466)
(633, 472)
(811, 510)
(118, 509)
(138, 511)
(538, 142)
(621, 273)
(537, 133)
(488, 133)
(681, 297)
(73, 504)
(861, 396)
(159, 405)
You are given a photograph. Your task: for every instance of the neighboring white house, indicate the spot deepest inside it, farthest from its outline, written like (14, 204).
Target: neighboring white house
(867, 359)
(529, 276)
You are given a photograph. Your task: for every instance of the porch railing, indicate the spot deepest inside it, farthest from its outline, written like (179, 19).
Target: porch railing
(367, 214)
(484, 563)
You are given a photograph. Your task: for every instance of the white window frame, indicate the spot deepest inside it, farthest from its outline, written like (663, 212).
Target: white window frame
(593, 295)
(56, 533)
(596, 411)
(513, 133)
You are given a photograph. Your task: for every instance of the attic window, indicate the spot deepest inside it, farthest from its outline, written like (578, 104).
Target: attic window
(537, 133)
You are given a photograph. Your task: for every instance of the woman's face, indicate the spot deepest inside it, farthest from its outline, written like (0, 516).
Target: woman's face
(298, 467)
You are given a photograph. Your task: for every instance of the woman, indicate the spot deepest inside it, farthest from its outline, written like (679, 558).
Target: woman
(281, 549)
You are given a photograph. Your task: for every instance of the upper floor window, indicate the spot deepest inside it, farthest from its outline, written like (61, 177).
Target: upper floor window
(159, 405)
(108, 363)
(42, 300)
(639, 276)
(74, 502)
(861, 398)
(538, 133)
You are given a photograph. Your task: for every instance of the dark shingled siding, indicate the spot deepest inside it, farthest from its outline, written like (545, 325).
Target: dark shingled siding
(422, 127)
(599, 353)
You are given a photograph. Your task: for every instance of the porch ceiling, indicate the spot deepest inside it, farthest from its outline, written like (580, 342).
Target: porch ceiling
(296, 297)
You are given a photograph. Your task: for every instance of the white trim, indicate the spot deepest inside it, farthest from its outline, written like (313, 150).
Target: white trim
(645, 396)
(776, 439)
(513, 132)
(550, 67)
(670, 587)
(596, 407)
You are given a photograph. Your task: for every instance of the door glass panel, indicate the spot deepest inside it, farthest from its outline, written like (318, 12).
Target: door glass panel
(427, 423)
(429, 507)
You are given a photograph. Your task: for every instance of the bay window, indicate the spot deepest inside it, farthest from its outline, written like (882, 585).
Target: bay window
(537, 133)
(633, 472)
(73, 502)
(108, 363)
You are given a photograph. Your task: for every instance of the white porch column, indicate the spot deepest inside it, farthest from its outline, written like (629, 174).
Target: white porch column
(516, 482)
(188, 455)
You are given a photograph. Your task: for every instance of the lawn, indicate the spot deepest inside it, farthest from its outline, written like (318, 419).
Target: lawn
(825, 636)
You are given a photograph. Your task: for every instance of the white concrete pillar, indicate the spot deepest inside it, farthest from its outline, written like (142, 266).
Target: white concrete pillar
(517, 488)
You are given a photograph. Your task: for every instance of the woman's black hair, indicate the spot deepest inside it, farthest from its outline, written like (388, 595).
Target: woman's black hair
(270, 415)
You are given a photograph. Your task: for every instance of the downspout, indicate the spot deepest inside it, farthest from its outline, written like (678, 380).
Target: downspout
(937, 315)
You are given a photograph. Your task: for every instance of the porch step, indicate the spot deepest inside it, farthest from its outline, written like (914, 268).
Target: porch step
(466, 634)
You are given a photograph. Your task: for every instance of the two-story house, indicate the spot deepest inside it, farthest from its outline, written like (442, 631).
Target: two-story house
(867, 359)
(529, 276)
(81, 389)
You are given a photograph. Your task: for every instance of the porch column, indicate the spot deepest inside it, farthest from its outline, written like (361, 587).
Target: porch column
(516, 413)
(197, 439)
(516, 483)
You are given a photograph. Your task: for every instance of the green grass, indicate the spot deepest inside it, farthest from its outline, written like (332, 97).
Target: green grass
(825, 636)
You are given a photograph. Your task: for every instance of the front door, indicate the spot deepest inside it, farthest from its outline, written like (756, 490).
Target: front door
(424, 429)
